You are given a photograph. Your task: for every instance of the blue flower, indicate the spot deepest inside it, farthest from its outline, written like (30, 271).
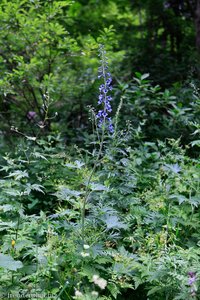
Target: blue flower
(110, 127)
(31, 115)
(192, 278)
(104, 89)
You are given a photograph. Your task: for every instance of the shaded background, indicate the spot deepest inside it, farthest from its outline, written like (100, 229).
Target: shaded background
(49, 61)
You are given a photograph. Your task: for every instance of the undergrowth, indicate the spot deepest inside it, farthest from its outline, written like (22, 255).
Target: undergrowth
(118, 219)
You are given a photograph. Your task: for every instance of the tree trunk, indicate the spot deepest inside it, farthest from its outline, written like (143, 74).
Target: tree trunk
(197, 24)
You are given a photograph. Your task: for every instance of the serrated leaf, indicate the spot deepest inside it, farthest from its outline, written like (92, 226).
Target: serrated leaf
(154, 290)
(65, 194)
(70, 166)
(180, 198)
(195, 201)
(114, 290)
(37, 187)
(38, 155)
(13, 192)
(18, 174)
(174, 168)
(77, 165)
(7, 225)
(6, 207)
(137, 282)
(98, 187)
(125, 162)
(113, 222)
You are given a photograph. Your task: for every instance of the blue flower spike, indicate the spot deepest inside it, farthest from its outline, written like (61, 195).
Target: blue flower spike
(104, 89)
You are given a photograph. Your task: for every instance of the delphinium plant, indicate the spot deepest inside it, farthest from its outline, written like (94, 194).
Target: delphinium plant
(102, 120)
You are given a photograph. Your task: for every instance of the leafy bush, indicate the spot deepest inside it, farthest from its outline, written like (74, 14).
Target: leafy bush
(141, 221)
(171, 113)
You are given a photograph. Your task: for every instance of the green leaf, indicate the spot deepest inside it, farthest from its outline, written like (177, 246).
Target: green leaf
(98, 187)
(77, 165)
(7, 225)
(34, 187)
(6, 207)
(114, 290)
(144, 76)
(18, 174)
(113, 222)
(195, 143)
(180, 198)
(66, 194)
(38, 155)
(12, 192)
(7, 262)
(154, 290)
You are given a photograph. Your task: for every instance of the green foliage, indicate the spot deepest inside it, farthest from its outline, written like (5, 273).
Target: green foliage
(86, 215)
(42, 51)
(161, 113)
(141, 221)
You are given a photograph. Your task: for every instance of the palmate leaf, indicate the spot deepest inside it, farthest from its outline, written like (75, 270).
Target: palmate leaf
(98, 187)
(6, 207)
(180, 198)
(38, 155)
(7, 225)
(12, 192)
(33, 187)
(174, 168)
(65, 193)
(7, 262)
(114, 290)
(18, 174)
(76, 165)
(114, 222)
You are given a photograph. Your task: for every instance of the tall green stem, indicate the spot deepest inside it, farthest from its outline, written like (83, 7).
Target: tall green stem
(103, 126)
(87, 193)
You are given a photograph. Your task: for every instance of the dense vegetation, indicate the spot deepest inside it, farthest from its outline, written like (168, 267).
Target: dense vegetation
(100, 164)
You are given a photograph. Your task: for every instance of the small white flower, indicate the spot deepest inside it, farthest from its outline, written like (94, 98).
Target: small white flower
(78, 293)
(95, 278)
(102, 283)
(85, 254)
(86, 247)
(99, 281)
(94, 293)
